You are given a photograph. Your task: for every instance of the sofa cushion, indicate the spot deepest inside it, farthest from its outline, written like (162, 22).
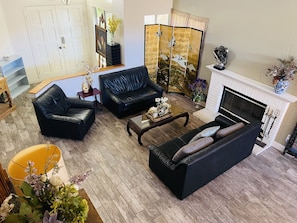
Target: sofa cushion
(228, 130)
(191, 148)
(137, 96)
(127, 81)
(205, 133)
(53, 101)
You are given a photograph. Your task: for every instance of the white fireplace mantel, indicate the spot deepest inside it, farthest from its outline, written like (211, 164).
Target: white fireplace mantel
(251, 88)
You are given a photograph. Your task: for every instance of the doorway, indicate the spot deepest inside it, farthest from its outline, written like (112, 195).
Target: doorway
(59, 39)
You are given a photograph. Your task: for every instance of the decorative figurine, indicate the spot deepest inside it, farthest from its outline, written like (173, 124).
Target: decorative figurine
(221, 55)
(85, 87)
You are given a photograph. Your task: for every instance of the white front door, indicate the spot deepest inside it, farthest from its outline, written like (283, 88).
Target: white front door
(58, 38)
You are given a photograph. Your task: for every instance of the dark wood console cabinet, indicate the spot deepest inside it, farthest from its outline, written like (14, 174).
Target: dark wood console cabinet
(291, 147)
(113, 54)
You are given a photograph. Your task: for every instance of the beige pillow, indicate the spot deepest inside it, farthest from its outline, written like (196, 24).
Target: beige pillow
(205, 133)
(228, 130)
(191, 148)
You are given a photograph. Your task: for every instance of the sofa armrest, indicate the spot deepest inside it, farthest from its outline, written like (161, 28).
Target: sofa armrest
(77, 103)
(224, 121)
(155, 86)
(155, 151)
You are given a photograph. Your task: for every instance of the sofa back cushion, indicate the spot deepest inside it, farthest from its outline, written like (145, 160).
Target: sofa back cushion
(127, 80)
(191, 148)
(52, 101)
(228, 130)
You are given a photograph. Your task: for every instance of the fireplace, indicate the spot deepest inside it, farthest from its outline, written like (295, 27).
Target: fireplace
(272, 107)
(240, 107)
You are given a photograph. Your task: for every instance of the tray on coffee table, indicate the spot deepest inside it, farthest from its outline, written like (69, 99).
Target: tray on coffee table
(141, 123)
(159, 118)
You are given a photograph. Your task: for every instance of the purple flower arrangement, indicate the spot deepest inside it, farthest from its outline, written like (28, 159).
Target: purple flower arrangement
(198, 88)
(46, 199)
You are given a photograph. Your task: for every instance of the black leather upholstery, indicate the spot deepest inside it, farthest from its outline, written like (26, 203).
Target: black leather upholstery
(63, 117)
(128, 91)
(196, 170)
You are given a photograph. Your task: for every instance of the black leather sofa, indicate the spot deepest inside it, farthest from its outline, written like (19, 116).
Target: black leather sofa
(195, 170)
(128, 91)
(63, 117)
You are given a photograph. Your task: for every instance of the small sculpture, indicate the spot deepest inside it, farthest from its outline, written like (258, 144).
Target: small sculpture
(221, 55)
(161, 109)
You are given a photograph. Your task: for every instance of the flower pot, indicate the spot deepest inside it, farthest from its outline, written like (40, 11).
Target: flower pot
(281, 86)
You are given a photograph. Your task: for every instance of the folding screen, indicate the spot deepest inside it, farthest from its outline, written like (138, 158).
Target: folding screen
(172, 56)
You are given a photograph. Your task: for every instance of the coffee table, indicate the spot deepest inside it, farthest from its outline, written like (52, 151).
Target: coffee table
(141, 124)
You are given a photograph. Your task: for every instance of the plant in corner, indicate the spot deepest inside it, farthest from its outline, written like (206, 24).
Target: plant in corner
(282, 73)
(113, 23)
(198, 89)
(46, 199)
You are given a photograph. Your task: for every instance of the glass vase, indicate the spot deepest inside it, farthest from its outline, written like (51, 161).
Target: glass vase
(112, 39)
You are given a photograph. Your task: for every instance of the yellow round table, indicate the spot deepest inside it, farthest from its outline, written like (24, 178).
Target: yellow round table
(41, 155)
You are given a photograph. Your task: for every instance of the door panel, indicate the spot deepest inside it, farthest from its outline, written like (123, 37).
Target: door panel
(74, 33)
(41, 24)
(58, 39)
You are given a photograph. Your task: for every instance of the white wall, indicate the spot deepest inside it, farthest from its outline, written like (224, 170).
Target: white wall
(134, 12)
(5, 44)
(256, 33)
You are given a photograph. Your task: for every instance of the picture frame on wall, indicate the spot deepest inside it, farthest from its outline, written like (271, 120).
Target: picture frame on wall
(101, 15)
(101, 40)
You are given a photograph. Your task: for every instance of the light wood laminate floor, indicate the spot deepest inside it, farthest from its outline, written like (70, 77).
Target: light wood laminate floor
(259, 189)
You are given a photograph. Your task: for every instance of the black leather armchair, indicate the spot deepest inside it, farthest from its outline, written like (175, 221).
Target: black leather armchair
(63, 117)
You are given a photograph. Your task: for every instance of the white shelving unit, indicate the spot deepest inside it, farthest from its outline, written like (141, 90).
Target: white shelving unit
(15, 73)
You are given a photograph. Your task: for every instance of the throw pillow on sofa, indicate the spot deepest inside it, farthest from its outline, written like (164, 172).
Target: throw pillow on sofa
(191, 148)
(228, 130)
(205, 133)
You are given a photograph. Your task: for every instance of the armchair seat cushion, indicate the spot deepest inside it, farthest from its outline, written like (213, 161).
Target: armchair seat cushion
(80, 114)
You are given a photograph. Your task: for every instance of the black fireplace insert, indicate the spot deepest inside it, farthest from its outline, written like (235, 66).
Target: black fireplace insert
(240, 107)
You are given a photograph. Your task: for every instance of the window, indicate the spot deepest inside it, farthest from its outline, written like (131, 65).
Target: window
(179, 18)
(156, 19)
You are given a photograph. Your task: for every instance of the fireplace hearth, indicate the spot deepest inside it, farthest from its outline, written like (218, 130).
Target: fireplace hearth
(274, 106)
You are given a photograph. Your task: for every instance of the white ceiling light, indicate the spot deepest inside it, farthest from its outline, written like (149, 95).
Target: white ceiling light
(66, 2)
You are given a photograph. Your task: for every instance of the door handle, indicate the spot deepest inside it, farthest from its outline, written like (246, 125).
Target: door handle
(63, 40)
